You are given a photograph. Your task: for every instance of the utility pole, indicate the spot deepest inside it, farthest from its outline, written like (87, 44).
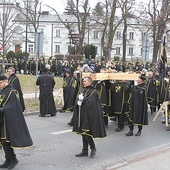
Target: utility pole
(26, 35)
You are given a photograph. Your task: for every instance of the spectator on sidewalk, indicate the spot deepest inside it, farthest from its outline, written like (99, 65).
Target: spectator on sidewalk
(14, 81)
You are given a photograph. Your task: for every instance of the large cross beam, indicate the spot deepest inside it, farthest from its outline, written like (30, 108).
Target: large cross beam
(112, 76)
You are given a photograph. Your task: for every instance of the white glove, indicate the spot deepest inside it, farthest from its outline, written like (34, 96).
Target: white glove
(79, 103)
(167, 80)
(81, 97)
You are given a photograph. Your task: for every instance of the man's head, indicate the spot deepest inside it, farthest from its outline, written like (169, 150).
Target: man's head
(141, 80)
(11, 70)
(87, 81)
(150, 74)
(3, 81)
(48, 66)
(68, 73)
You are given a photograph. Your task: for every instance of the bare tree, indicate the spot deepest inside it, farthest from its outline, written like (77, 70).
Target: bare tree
(127, 10)
(80, 10)
(30, 13)
(108, 22)
(7, 13)
(159, 13)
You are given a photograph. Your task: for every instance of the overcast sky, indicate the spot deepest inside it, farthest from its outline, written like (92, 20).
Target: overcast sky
(60, 5)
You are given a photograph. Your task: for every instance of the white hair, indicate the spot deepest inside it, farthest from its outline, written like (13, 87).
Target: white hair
(48, 66)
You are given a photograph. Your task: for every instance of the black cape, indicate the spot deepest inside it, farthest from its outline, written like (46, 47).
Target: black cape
(138, 105)
(87, 119)
(14, 127)
(13, 80)
(152, 93)
(70, 93)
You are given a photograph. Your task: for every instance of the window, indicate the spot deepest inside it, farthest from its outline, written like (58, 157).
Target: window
(96, 49)
(30, 48)
(96, 34)
(31, 32)
(117, 50)
(143, 36)
(57, 48)
(57, 33)
(131, 51)
(106, 35)
(118, 35)
(69, 49)
(131, 35)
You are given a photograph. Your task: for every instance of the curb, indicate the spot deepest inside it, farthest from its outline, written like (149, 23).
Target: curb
(140, 156)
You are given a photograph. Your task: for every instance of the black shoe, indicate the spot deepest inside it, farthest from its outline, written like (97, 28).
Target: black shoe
(5, 164)
(118, 129)
(53, 114)
(70, 123)
(130, 133)
(163, 121)
(138, 133)
(13, 163)
(82, 154)
(41, 115)
(114, 118)
(93, 153)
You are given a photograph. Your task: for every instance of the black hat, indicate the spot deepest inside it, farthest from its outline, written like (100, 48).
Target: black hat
(68, 71)
(142, 78)
(3, 77)
(44, 70)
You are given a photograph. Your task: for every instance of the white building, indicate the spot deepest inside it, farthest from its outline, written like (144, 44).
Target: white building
(57, 42)
(56, 39)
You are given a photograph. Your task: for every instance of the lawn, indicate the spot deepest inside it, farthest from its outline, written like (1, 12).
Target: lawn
(28, 83)
(28, 86)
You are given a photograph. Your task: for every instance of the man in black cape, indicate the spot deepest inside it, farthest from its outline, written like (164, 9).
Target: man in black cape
(67, 83)
(14, 132)
(138, 112)
(152, 93)
(70, 90)
(87, 118)
(14, 80)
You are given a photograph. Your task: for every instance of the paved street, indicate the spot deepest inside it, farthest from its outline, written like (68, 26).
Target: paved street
(55, 147)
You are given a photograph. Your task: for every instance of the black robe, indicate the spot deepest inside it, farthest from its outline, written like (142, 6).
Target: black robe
(117, 98)
(46, 84)
(101, 88)
(87, 118)
(14, 128)
(70, 93)
(138, 110)
(66, 88)
(13, 80)
(152, 93)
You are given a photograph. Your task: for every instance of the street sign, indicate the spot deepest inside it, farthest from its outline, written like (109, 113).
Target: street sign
(39, 43)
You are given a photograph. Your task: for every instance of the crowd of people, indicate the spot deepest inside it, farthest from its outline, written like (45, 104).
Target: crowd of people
(93, 103)
(58, 67)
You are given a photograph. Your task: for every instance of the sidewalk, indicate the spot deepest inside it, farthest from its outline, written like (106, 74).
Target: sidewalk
(57, 96)
(157, 159)
(33, 95)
